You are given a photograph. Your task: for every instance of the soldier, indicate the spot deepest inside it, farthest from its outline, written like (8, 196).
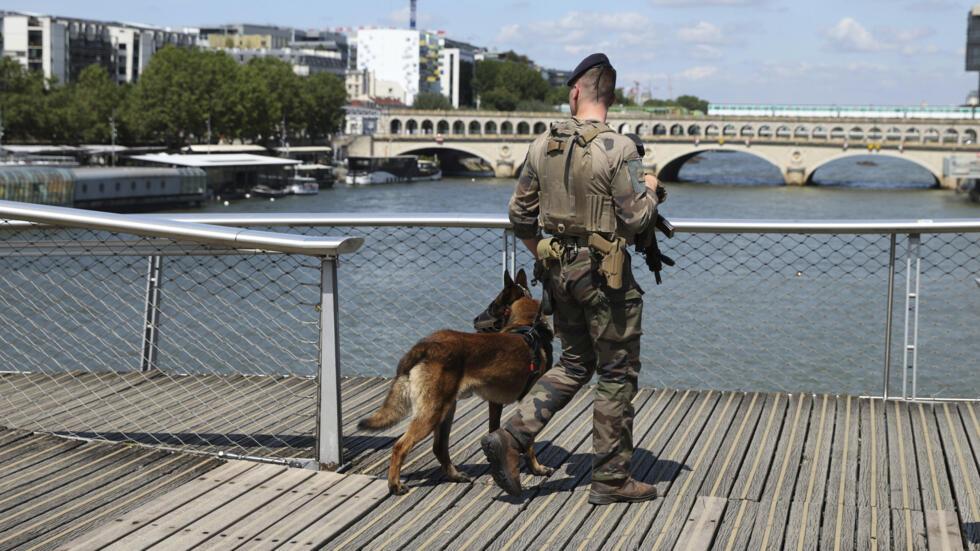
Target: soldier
(584, 184)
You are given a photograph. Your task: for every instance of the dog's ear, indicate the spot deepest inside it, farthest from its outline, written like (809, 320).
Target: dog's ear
(508, 282)
(522, 278)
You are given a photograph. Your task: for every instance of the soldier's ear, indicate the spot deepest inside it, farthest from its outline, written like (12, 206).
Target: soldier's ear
(522, 278)
(507, 280)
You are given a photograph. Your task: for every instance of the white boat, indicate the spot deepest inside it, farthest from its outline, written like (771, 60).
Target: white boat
(303, 185)
(388, 170)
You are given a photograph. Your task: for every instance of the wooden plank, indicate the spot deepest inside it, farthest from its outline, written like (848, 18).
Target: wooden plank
(122, 525)
(232, 512)
(905, 491)
(874, 494)
(702, 524)
(837, 531)
(552, 494)
(724, 469)
(178, 518)
(667, 446)
(36, 463)
(762, 452)
(943, 531)
(561, 438)
(667, 525)
(273, 512)
(355, 507)
(908, 530)
(487, 529)
(21, 523)
(320, 507)
(60, 521)
(771, 519)
(934, 480)
(963, 470)
(803, 525)
(736, 524)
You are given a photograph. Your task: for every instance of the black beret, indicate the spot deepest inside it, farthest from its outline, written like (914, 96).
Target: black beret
(593, 60)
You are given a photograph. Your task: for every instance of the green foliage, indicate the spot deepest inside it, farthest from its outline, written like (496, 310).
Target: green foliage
(432, 101)
(22, 102)
(687, 103)
(501, 85)
(622, 98)
(176, 97)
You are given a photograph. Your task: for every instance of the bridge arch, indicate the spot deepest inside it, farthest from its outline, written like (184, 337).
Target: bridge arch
(694, 130)
(507, 128)
(837, 133)
(913, 135)
(783, 132)
(395, 126)
(490, 128)
(669, 170)
(856, 133)
(728, 131)
(523, 128)
(540, 127)
(951, 136)
(445, 152)
(931, 136)
(659, 129)
(893, 134)
(624, 128)
(412, 127)
(801, 132)
(677, 130)
(875, 134)
(810, 171)
(475, 128)
(765, 131)
(442, 127)
(969, 136)
(459, 128)
(427, 127)
(711, 130)
(818, 133)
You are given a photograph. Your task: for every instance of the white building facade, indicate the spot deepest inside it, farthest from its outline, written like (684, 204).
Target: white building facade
(37, 43)
(391, 55)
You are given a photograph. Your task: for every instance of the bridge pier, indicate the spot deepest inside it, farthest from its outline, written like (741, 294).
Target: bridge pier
(795, 176)
(504, 169)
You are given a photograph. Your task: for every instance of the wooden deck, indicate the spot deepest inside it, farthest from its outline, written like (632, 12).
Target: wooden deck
(737, 470)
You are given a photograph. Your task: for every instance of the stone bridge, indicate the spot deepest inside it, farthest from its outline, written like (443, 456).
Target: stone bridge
(796, 146)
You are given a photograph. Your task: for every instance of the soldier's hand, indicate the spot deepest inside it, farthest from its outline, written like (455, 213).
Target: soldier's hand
(658, 189)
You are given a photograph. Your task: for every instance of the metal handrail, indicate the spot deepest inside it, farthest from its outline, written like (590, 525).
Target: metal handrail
(187, 230)
(683, 225)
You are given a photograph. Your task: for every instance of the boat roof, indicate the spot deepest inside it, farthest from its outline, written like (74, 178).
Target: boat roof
(383, 157)
(224, 148)
(215, 160)
(304, 149)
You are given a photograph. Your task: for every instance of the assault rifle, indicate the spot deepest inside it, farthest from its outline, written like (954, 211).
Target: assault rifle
(646, 242)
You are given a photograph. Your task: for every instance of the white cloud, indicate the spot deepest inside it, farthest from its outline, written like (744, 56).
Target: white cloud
(850, 36)
(575, 34)
(699, 72)
(704, 51)
(701, 33)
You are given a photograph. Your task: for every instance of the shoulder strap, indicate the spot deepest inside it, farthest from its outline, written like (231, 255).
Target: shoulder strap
(589, 134)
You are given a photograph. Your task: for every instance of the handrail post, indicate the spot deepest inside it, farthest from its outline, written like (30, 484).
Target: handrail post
(151, 324)
(329, 445)
(913, 265)
(889, 315)
(505, 255)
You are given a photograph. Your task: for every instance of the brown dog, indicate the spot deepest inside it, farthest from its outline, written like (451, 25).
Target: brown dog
(499, 367)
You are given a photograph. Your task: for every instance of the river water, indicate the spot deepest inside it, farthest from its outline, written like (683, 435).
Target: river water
(795, 313)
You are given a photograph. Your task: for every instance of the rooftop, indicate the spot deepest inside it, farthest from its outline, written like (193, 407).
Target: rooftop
(215, 160)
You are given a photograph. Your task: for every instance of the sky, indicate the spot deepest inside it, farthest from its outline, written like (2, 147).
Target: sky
(882, 52)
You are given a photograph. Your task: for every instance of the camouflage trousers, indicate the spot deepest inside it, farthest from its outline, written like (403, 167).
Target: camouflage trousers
(600, 331)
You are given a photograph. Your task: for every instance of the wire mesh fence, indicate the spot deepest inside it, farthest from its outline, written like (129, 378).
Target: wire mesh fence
(740, 311)
(112, 336)
(227, 362)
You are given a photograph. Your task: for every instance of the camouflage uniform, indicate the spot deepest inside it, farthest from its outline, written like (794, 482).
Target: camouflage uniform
(599, 327)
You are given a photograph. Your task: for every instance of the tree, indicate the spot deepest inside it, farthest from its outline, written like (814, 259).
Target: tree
(501, 85)
(325, 96)
(622, 98)
(693, 103)
(22, 102)
(180, 91)
(88, 105)
(271, 98)
(432, 101)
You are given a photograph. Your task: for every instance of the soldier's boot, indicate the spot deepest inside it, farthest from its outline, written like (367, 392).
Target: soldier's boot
(627, 491)
(504, 455)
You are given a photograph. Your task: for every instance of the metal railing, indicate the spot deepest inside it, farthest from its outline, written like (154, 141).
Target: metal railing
(791, 305)
(170, 333)
(220, 333)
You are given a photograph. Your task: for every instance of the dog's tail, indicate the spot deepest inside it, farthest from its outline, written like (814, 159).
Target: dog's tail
(398, 403)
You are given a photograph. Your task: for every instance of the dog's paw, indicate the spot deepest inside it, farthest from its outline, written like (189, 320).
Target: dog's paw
(397, 489)
(458, 477)
(541, 470)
